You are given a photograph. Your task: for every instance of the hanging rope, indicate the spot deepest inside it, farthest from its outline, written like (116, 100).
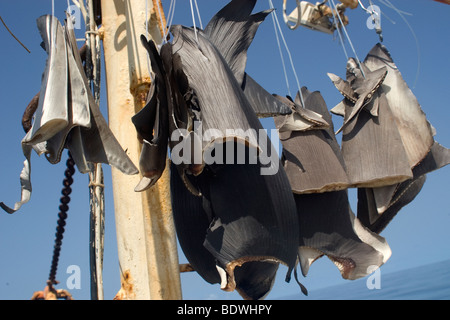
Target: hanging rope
(281, 56)
(277, 26)
(193, 21)
(198, 14)
(96, 187)
(171, 14)
(402, 15)
(341, 38)
(348, 37)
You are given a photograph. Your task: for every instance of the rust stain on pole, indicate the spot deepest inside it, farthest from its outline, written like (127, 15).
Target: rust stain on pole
(126, 290)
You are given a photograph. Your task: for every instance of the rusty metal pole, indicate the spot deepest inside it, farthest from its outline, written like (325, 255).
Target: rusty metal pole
(145, 231)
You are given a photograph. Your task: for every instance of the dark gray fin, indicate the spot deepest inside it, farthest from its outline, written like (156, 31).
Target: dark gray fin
(152, 123)
(232, 31)
(398, 195)
(312, 158)
(364, 87)
(224, 109)
(329, 227)
(263, 103)
(255, 219)
(192, 216)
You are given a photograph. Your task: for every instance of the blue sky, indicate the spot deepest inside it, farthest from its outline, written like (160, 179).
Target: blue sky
(417, 236)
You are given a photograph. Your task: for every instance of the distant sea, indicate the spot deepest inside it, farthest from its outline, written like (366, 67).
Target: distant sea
(428, 282)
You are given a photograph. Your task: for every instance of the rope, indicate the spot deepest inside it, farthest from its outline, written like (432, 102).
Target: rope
(149, 68)
(341, 38)
(198, 14)
(193, 21)
(12, 34)
(402, 15)
(274, 16)
(282, 57)
(348, 38)
(173, 3)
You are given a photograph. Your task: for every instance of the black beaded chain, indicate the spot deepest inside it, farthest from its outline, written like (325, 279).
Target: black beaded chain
(62, 216)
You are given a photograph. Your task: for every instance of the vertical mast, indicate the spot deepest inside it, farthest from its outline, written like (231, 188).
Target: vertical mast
(145, 230)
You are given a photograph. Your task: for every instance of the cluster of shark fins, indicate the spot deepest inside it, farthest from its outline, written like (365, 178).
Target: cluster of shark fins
(67, 115)
(388, 144)
(237, 221)
(235, 225)
(387, 149)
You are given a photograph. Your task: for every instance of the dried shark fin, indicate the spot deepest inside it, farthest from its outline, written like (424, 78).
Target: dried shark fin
(372, 147)
(192, 217)
(312, 158)
(99, 143)
(25, 183)
(359, 89)
(301, 119)
(251, 224)
(364, 86)
(370, 161)
(152, 123)
(403, 194)
(78, 104)
(62, 118)
(225, 111)
(232, 30)
(255, 280)
(54, 88)
(329, 227)
(263, 103)
(52, 113)
(415, 130)
(183, 112)
(398, 196)
(344, 87)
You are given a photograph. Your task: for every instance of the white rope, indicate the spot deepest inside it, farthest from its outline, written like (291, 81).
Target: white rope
(348, 38)
(402, 15)
(173, 3)
(160, 13)
(169, 15)
(282, 57)
(390, 5)
(341, 38)
(288, 52)
(193, 21)
(149, 68)
(198, 14)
